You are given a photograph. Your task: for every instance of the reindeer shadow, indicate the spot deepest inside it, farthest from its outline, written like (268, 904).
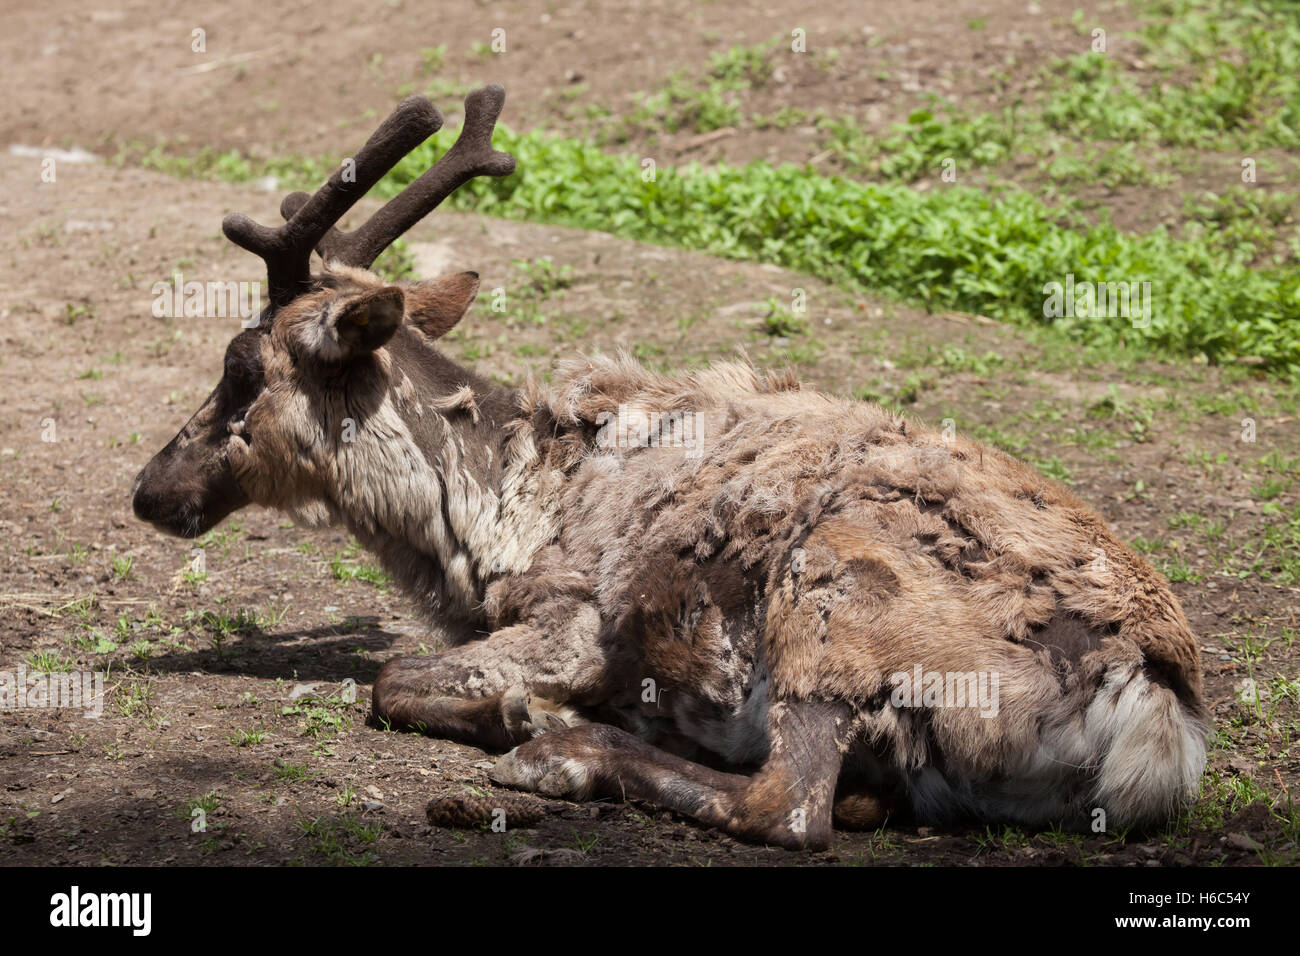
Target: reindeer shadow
(325, 653)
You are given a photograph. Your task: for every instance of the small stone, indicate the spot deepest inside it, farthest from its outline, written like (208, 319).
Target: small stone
(1242, 841)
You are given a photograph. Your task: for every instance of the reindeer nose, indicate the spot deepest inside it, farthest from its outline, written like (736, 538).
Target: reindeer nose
(155, 496)
(144, 500)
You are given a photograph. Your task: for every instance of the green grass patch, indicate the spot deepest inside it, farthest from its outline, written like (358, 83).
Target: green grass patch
(955, 249)
(347, 567)
(1221, 71)
(958, 249)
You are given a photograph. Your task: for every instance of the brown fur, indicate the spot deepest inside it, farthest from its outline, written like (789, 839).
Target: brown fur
(750, 602)
(781, 609)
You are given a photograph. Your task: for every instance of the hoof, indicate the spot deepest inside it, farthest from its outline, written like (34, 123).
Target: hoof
(538, 768)
(527, 716)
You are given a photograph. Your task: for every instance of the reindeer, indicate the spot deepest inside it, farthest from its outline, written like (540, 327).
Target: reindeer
(760, 627)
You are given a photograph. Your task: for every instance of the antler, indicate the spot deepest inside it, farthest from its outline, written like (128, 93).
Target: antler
(310, 219)
(470, 156)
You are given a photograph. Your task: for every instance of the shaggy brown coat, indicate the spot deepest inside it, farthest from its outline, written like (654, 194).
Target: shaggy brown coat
(736, 614)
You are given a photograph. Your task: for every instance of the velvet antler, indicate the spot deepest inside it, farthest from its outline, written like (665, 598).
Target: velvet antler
(310, 220)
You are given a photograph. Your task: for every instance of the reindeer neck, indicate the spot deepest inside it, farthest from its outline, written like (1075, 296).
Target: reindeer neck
(450, 493)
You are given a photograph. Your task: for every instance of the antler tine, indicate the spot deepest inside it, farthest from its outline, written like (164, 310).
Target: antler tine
(287, 249)
(470, 156)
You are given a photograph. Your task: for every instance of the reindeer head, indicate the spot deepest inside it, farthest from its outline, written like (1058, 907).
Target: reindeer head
(327, 342)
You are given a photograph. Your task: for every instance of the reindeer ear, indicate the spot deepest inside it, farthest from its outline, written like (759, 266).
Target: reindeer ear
(438, 304)
(368, 321)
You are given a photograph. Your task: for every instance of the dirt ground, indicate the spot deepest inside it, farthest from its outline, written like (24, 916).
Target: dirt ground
(241, 690)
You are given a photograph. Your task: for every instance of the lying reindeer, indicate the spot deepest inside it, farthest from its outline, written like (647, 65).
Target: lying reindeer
(786, 581)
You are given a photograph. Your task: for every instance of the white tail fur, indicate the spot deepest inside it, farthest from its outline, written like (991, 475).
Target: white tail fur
(1152, 748)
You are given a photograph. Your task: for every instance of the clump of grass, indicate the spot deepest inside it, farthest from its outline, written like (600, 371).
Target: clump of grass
(49, 661)
(342, 840)
(682, 104)
(292, 773)
(781, 321)
(320, 717)
(704, 104)
(921, 146)
(346, 567)
(246, 738)
(134, 699)
(543, 279)
(396, 263)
